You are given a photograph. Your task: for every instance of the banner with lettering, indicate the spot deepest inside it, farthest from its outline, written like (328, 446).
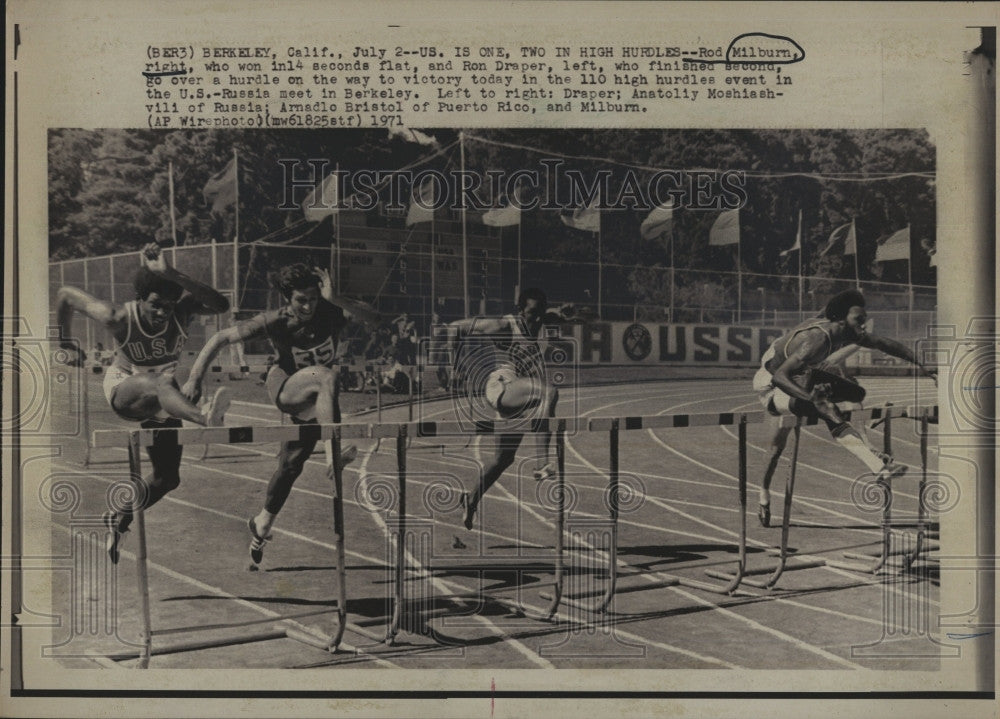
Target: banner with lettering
(647, 343)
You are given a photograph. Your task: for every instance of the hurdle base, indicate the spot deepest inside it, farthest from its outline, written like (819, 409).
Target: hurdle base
(314, 640)
(928, 547)
(872, 568)
(788, 567)
(769, 583)
(198, 644)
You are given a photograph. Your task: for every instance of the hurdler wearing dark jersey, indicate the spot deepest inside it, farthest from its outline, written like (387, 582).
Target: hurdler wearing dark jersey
(303, 380)
(786, 383)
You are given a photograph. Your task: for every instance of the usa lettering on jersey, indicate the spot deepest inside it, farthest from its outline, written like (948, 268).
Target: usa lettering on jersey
(153, 349)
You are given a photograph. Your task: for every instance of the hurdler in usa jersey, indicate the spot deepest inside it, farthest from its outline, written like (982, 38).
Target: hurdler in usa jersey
(140, 385)
(798, 377)
(303, 381)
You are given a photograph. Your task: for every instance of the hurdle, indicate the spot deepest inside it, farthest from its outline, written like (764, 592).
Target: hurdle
(403, 606)
(732, 580)
(613, 425)
(136, 439)
(886, 524)
(879, 559)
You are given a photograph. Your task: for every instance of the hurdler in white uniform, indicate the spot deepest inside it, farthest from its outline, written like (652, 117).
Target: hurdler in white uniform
(140, 385)
(515, 384)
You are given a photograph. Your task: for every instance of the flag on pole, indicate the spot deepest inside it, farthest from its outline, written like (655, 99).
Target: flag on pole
(895, 247)
(422, 203)
(931, 249)
(413, 136)
(659, 221)
(505, 214)
(842, 235)
(322, 201)
(587, 219)
(797, 247)
(726, 229)
(220, 190)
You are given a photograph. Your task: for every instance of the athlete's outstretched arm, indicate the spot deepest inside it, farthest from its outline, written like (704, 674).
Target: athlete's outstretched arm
(897, 349)
(354, 308)
(71, 299)
(215, 344)
(207, 300)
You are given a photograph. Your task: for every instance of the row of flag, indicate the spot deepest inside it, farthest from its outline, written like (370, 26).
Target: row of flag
(221, 191)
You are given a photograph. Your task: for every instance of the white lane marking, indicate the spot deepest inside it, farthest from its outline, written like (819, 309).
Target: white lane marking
(805, 646)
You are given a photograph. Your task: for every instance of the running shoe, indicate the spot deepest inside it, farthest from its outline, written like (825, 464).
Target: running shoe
(114, 540)
(257, 542)
(543, 473)
(215, 409)
(892, 470)
(468, 509)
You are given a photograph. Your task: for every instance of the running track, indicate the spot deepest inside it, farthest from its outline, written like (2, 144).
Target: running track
(682, 518)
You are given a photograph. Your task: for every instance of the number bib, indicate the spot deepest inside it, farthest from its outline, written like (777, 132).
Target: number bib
(320, 355)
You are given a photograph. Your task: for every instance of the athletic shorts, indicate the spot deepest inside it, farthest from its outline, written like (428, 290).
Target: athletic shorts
(496, 384)
(116, 374)
(275, 382)
(776, 401)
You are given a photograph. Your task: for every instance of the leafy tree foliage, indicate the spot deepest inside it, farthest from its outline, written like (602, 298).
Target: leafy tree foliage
(109, 192)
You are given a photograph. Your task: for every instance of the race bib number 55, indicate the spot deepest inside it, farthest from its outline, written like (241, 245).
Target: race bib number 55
(320, 355)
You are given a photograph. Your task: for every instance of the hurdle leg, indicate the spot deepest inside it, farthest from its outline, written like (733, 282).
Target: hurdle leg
(135, 470)
(400, 532)
(608, 594)
(377, 372)
(786, 517)
(410, 399)
(85, 397)
(557, 588)
(887, 504)
(735, 578)
(614, 475)
(338, 540)
(922, 488)
(885, 550)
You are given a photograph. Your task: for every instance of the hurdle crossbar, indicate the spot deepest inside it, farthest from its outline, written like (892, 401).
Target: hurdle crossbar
(708, 419)
(413, 373)
(231, 435)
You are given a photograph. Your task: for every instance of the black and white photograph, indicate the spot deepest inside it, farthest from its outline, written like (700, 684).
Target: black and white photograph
(462, 378)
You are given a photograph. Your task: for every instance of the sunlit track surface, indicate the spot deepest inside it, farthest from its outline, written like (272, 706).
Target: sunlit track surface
(681, 518)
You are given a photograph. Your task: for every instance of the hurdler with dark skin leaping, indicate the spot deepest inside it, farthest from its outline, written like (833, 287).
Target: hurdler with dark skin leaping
(515, 384)
(140, 384)
(797, 378)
